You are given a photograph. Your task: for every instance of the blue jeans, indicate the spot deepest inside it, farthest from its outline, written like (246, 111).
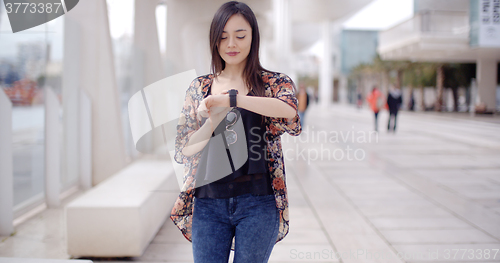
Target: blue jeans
(252, 220)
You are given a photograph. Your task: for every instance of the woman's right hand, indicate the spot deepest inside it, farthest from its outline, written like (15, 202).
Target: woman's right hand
(207, 109)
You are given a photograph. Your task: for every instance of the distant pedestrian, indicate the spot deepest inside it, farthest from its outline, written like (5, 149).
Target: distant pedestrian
(303, 98)
(394, 101)
(411, 105)
(376, 103)
(360, 99)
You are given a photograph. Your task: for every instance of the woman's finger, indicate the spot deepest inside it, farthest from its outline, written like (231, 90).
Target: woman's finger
(202, 110)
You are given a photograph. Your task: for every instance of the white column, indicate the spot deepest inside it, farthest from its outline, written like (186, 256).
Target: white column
(71, 83)
(6, 172)
(93, 71)
(52, 150)
(326, 76)
(85, 141)
(474, 98)
(343, 82)
(336, 62)
(1, 10)
(282, 36)
(188, 27)
(487, 82)
(148, 67)
(146, 41)
(176, 16)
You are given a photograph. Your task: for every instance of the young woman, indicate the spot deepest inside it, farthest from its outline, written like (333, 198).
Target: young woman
(228, 138)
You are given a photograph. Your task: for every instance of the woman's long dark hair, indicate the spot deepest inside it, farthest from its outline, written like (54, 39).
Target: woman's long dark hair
(252, 72)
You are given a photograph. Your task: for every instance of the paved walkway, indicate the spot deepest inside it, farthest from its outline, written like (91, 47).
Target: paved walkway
(429, 193)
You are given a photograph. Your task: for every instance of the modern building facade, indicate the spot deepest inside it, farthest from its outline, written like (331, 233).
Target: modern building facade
(357, 47)
(447, 31)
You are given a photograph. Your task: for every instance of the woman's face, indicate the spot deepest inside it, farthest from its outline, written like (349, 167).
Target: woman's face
(236, 40)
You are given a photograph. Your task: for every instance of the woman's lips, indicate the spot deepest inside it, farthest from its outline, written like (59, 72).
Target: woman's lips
(232, 54)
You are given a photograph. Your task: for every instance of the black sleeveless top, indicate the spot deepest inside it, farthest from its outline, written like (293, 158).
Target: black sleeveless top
(248, 171)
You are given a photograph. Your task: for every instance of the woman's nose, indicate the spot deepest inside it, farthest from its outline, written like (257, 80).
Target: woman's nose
(231, 42)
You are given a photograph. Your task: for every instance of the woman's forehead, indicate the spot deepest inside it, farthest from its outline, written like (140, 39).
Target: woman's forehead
(236, 23)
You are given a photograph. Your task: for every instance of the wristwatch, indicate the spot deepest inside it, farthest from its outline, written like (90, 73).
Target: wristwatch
(232, 97)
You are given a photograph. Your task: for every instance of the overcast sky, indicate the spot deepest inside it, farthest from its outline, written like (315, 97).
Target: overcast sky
(381, 14)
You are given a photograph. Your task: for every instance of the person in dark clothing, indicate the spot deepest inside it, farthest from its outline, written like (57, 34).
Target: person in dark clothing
(412, 102)
(303, 98)
(360, 99)
(394, 101)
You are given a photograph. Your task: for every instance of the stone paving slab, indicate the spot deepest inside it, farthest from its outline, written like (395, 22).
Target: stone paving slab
(392, 223)
(41, 260)
(438, 236)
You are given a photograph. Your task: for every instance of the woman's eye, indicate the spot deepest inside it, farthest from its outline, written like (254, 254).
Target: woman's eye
(241, 37)
(223, 37)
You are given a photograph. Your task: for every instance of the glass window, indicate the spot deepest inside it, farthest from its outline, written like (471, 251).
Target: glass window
(30, 61)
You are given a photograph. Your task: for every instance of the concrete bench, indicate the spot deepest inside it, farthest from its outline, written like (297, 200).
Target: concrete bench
(121, 215)
(42, 260)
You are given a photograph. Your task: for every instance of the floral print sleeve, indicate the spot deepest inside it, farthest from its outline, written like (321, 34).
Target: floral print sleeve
(182, 211)
(281, 87)
(187, 124)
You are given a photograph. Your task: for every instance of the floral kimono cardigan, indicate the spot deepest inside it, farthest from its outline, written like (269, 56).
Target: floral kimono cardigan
(278, 86)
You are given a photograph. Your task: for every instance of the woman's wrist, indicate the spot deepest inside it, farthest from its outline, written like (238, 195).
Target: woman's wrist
(241, 101)
(269, 107)
(221, 100)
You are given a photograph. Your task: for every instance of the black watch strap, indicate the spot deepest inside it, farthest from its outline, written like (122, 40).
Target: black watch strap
(232, 97)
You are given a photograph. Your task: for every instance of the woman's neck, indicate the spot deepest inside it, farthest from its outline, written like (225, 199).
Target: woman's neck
(233, 72)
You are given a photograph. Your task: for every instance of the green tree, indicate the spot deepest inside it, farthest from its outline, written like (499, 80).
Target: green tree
(420, 75)
(458, 75)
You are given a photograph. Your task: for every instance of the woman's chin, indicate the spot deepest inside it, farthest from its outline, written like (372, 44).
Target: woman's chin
(234, 61)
